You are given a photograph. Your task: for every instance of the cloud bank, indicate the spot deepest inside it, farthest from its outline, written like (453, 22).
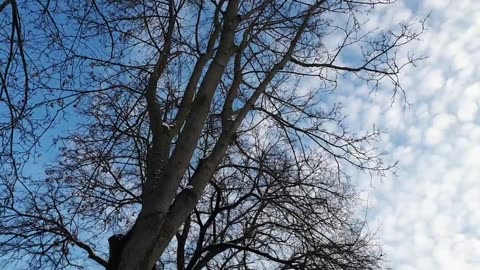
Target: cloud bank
(429, 216)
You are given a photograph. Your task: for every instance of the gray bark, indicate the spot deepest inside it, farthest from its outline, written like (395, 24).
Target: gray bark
(151, 231)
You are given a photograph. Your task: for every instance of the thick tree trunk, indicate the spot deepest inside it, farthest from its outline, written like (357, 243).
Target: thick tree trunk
(141, 240)
(157, 223)
(160, 219)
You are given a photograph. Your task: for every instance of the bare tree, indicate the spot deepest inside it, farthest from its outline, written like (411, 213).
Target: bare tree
(185, 125)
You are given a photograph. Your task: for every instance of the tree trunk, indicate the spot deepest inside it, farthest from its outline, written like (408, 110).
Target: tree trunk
(158, 222)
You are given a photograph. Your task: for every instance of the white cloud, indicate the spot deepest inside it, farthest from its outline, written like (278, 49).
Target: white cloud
(436, 4)
(467, 111)
(432, 82)
(428, 216)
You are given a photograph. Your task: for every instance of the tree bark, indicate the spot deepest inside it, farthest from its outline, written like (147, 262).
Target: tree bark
(151, 233)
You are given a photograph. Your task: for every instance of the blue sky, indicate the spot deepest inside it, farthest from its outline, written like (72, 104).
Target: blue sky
(428, 216)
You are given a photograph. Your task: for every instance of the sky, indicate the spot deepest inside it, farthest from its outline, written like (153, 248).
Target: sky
(428, 216)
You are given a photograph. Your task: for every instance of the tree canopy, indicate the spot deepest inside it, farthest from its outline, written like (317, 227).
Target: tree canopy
(182, 135)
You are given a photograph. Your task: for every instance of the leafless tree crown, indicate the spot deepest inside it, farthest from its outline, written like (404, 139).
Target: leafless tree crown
(182, 135)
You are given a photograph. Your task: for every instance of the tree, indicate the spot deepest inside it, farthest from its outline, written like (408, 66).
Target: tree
(185, 124)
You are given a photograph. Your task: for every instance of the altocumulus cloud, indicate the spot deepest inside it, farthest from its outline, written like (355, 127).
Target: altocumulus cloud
(429, 216)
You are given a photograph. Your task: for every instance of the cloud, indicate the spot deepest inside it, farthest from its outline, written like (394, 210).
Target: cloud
(428, 216)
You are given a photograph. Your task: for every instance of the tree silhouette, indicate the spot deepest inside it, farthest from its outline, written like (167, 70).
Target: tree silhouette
(186, 135)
